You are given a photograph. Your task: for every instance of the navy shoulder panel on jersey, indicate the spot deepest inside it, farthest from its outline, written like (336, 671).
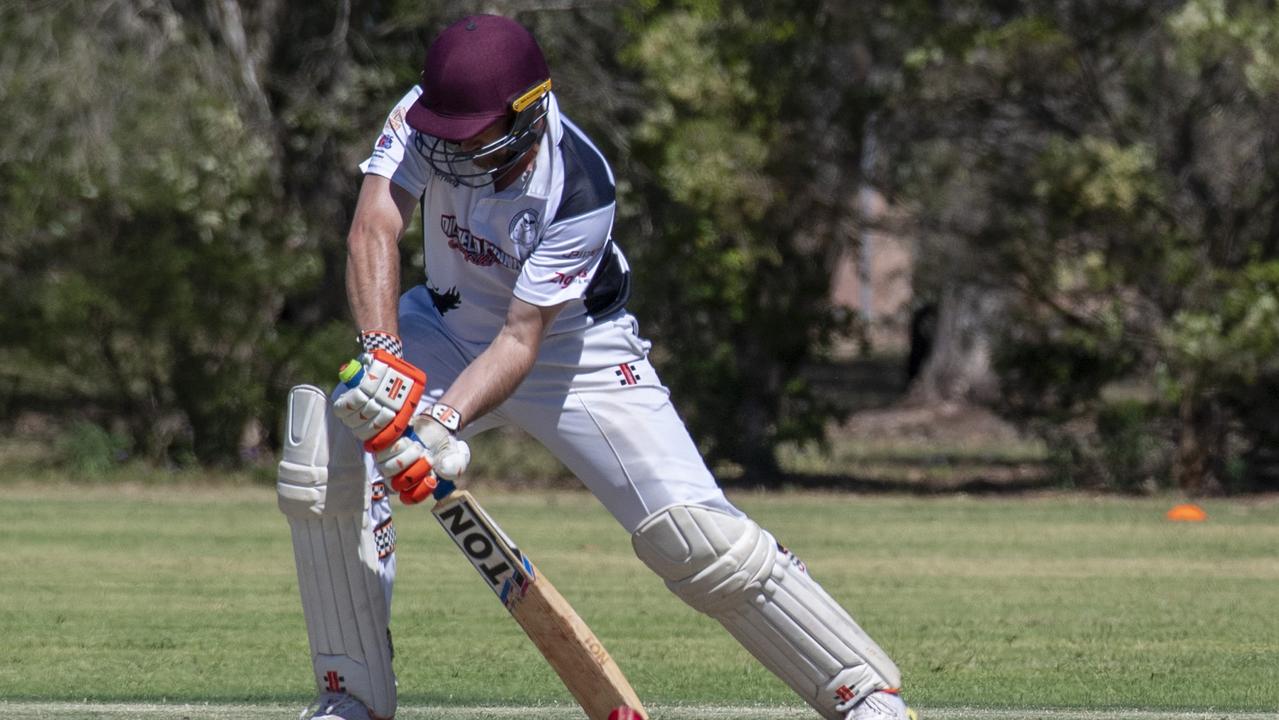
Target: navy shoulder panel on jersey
(610, 289)
(588, 185)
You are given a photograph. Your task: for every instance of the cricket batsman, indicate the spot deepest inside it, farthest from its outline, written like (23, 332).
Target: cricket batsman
(521, 319)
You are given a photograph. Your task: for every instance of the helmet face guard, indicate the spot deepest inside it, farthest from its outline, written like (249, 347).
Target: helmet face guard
(462, 167)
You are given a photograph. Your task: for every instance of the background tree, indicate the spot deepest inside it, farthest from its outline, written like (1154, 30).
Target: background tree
(1093, 186)
(179, 176)
(180, 252)
(1112, 167)
(744, 168)
(147, 250)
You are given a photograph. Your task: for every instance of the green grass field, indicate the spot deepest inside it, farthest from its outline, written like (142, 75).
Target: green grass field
(180, 601)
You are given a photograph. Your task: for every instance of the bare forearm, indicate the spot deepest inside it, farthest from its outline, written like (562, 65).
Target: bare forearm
(373, 279)
(373, 253)
(492, 377)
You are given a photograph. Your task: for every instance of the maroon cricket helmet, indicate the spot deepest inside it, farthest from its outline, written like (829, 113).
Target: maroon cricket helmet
(477, 71)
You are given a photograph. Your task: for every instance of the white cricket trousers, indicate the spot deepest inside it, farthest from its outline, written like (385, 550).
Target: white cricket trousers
(592, 399)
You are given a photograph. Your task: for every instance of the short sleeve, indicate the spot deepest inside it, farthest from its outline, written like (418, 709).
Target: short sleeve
(394, 156)
(563, 264)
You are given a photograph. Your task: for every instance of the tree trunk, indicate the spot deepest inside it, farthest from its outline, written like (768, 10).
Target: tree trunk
(958, 367)
(1199, 466)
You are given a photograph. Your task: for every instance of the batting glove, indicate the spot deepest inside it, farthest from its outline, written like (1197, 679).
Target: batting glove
(382, 395)
(428, 446)
(437, 429)
(407, 464)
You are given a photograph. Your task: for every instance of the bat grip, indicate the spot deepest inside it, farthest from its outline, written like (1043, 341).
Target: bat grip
(443, 489)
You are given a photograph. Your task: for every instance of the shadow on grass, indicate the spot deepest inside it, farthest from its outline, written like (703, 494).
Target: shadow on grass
(1027, 481)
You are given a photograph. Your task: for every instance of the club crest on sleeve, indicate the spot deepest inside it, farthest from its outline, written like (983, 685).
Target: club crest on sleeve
(385, 142)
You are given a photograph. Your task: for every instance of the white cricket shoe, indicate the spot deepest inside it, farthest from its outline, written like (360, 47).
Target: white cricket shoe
(881, 706)
(336, 706)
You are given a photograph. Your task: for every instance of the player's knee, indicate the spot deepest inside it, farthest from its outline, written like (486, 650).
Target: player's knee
(709, 558)
(321, 468)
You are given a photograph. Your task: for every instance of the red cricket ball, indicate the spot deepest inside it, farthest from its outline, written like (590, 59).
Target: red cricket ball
(625, 713)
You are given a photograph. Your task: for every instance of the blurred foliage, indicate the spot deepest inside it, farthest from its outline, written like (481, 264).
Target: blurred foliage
(1123, 445)
(147, 247)
(1115, 165)
(88, 450)
(174, 215)
(176, 178)
(744, 169)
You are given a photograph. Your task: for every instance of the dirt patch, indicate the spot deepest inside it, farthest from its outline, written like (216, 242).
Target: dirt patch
(941, 448)
(948, 423)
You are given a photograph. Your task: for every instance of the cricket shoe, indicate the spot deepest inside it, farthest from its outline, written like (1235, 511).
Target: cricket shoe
(882, 705)
(336, 706)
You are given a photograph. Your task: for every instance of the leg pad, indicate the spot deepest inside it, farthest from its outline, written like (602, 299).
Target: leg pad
(324, 492)
(731, 569)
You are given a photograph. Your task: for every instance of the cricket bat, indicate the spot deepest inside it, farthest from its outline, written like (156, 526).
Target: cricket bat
(563, 638)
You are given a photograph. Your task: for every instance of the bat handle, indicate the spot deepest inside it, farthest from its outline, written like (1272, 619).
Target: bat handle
(443, 489)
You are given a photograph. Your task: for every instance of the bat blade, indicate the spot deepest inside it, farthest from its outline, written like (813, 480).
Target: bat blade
(558, 632)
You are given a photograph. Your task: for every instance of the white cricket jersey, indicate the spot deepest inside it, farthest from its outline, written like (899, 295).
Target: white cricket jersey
(546, 239)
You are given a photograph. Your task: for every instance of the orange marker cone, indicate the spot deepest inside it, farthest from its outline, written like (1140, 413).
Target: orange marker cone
(1187, 512)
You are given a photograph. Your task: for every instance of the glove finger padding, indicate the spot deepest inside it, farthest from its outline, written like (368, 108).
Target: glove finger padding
(418, 492)
(383, 394)
(449, 455)
(407, 463)
(455, 458)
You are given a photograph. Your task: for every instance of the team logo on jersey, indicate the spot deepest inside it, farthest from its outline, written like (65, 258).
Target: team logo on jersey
(450, 299)
(385, 142)
(523, 231)
(397, 119)
(474, 248)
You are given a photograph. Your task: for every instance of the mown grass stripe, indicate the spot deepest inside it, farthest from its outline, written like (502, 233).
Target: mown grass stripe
(190, 596)
(155, 711)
